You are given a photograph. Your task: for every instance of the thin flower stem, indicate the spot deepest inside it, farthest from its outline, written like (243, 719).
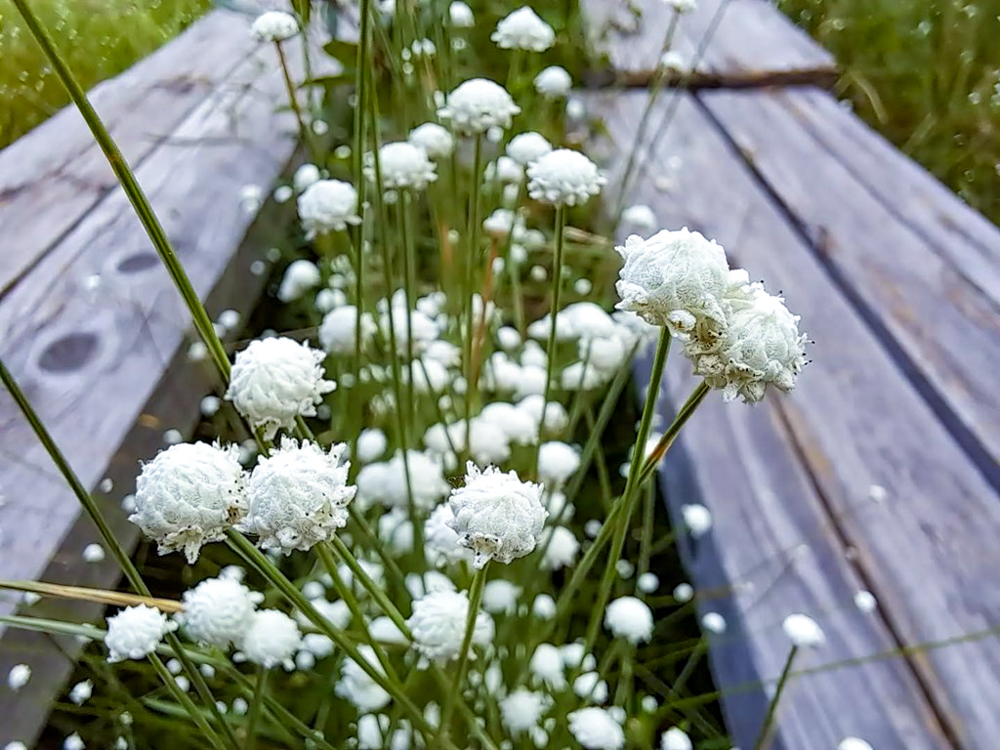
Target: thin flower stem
(293, 102)
(182, 698)
(560, 226)
(373, 543)
(132, 189)
(685, 412)
(361, 575)
(772, 708)
(256, 704)
(471, 259)
(475, 597)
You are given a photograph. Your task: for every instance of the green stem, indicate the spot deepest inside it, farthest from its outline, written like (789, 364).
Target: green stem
(772, 708)
(293, 102)
(182, 698)
(256, 703)
(553, 313)
(471, 261)
(361, 576)
(475, 597)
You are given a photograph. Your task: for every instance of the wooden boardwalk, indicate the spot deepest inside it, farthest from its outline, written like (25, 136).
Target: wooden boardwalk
(879, 473)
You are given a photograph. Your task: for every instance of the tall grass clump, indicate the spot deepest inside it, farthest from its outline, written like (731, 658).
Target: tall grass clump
(413, 528)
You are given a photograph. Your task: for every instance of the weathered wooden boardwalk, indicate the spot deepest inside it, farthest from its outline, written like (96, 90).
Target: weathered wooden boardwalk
(880, 472)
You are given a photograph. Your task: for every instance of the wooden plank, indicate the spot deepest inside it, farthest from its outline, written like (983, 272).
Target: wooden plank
(929, 552)
(752, 44)
(51, 177)
(930, 290)
(103, 367)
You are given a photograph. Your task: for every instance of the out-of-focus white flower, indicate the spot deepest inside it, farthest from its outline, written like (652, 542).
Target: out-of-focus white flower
(505, 170)
(553, 82)
(674, 61)
(18, 676)
(73, 742)
(402, 165)
(853, 743)
(803, 631)
(371, 445)
(477, 105)
(683, 592)
(135, 632)
(525, 148)
(384, 630)
(547, 666)
(522, 710)
(274, 26)
(328, 206)
(580, 320)
(500, 597)
(396, 531)
(518, 426)
(338, 331)
(357, 687)
(682, 6)
(441, 540)
(639, 217)
(865, 601)
(461, 15)
(557, 462)
(189, 495)
(300, 276)
(81, 692)
(523, 29)
(271, 638)
(590, 686)
(218, 611)
(713, 622)
(434, 139)
(421, 328)
(275, 380)
(675, 739)
(561, 550)
(544, 607)
(438, 626)
(556, 418)
(305, 176)
(386, 483)
(629, 618)
(595, 729)
(298, 496)
(697, 518)
(93, 553)
(564, 177)
(647, 583)
(497, 516)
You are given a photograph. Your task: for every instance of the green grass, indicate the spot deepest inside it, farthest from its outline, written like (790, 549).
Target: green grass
(99, 39)
(926, 73)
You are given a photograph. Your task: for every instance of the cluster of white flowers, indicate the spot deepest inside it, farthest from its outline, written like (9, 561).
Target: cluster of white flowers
(477, 105)
(740, 338)
(218, 612)
(564, 177)
(523, 29)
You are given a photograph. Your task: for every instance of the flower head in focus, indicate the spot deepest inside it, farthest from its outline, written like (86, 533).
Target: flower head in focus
(523, 29)
(218, 611)
(564, 177)
(135, 632)
(274, 26)
(477, 105)
(328, 206)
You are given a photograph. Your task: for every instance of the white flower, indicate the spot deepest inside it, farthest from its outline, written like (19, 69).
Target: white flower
(275, 380)
(300, 276)
(647, 583)
(477, 105)
(402, 165)
(713, 622)
(135, 632)
(595, 729)
(305, 176)
(441, 540)
(518, 426)
(674, 61)
(18, 676)
(523, 29)
(386, 483)
(357, 687)
(629, 618)
(189, 495)
(675, 739)
(81, 692)
(271, 638)
(683, 592)
(384, 630)
(853, 743)
(803, 631)
(274, 26)
(557, 462)
(371, 445)
(590, 686)
(461, 15)
(553, 82)
(564, 177)
(328, 206)
(640, 217)
(556, 418)
(434, 139)
(547, 665)
(338, 331)
(561, 550)
(500, 597)
(73, 742)
(438, 626)
(697, 518)
(544, 607)
(675, 279)
(505, 170)
(298, 496)
(497, 515)
(580, 320)
(522, 710)
(217, 611)
(865, 601)
(525, 148)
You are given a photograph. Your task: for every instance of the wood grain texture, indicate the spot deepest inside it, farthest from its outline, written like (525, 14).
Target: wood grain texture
(105, 363)
(753, 43)
(928, 552)
(51, 177)
(897, 245)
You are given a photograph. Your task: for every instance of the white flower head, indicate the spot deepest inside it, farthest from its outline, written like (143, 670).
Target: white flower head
(675, 739)
(697, 518)
(338, 331)
(629, 618)
(803, 631)
(358, 687)
(500, 596)
(553, 82)
(298, 496)
(275, 380)
(497, 516)
(300, 276)
(274, 26)
(438, 626)
(523, 29)
(189, 495)
(81, 692)
(596, 729)
(522, 710)
(461, 15)
(305, 176)
(639, 217)
(328, 206)
(564, 177)
(18, 676)
(557, 462)
(561, 550)
(675, 279)
(477, 105)
(525, 148)
(402, 165)
(441, 540)
(713, 622)
(218, 611)
(547, 666)
(271, 638)
(435, 139)
(135, 632)
(853, 743)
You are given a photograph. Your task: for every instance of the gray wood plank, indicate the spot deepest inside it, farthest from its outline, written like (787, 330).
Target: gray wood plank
(51, 177)
(928, 552)
(104, 366)
(929, 289)
(753, 44)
